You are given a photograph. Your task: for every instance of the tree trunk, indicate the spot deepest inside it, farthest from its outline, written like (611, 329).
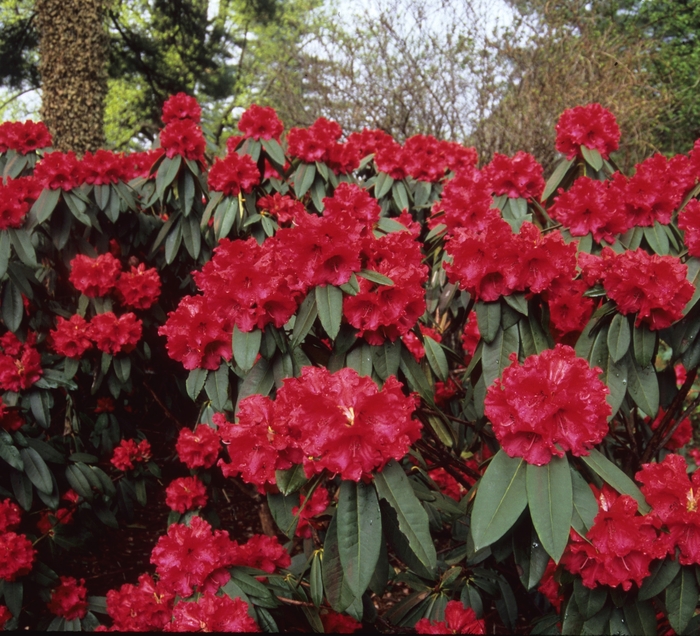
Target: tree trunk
(73, 55)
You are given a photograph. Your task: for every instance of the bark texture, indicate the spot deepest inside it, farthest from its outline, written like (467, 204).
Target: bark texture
(73, 55)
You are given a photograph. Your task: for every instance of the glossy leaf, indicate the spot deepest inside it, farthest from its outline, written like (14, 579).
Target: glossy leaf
(612, 475)
(661, 575)
(589, 601)
(338, 592)
(386, 358)
(375, 277)
(681, 599)
(36, 469)
(557, 177)
(436, 358)
(640, 618)
(195, 382)
(500, 499)
(643, 386)
(619, 337)
(495, 356)
(216, 387)
(359, 533)
(550, 499)
(488, 316)
(246, 346)
(645, 342)
(329, 303)
(394, 487)
(585, 505)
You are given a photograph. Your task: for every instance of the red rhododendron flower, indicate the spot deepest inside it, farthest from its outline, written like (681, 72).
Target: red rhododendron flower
(553, 403)
(516, 176)
(139, 164)
(389, 158)
(70, 338)
(260, 122)
(198, 448)
(263, 553)
(181, 106)
(115, 335)
(10, 419)
(183, 137)
(652, 286)
(233, 174)
(129, 452)
(58, 170)
(140, 608)
(18, 556)
(16, 198)
(68, 599)
(187, 555)
(351, 199)
(458, 620)
(197, 336)
(465, 203)
(50, 519)
(592, 126)
(186, 493)
(620, 546)
(313, 143)
(423, 158)
(139, 288)
(20, 363)
(458, 157)
(210, 613)
(470, 336)
(591, 206)
(10, 515)
(103, 167)
(281, 207)
(94, 277)
(689, 220)
(569, 309)
(336, 623)
(316, 505)
(24, 136)
(448, 484)
(675, 498)
(549, 586)
(5, 616)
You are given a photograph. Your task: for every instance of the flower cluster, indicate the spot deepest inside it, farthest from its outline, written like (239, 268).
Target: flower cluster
(16, 198)
(58, 171)
(20, 362)
(198, 448)
(496, 262)
(233, 174)
(181, 106)
(138, 288)
(516, 176)
(553, 403)
(129, 452)
(17, 550)
(591, 126)
(185, 493)
(62, 516)
(24, 136)
(620, 546)
(310, 508)
(260, 122)
(182, 136)
(465, 203)
(338, 422)
(689, 220)
(281, 207)
(458, 620)
(68, 600)
(104, 167)
(653, 287)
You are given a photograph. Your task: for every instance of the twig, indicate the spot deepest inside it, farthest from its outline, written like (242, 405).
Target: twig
(166, 410)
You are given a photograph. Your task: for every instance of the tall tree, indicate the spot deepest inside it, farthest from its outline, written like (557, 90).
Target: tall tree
(73, 49)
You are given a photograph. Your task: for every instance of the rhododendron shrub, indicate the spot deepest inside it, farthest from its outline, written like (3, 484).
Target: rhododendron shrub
(442, 379)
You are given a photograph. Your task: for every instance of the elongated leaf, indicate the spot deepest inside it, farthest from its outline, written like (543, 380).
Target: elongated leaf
(382, 185)
(191, 235)
(436, 358)
(388, 225)
(303, 178)
(500, 499)
(359, 533)
(612, 475)
(386, 358)
(42, 208)
(316, 580)
(274, 150)
(329, 302)
(589, 601)
(36, 469)
(260, 379)
(12, 306)
(592, 157)
(281, 507)
(394, 487)
(550, 498)
(415, 376)
(681, 599)
(693, 275)
(173, 242)
(290, 480)
(79, 482)
(246, 346)
(488, 316)
(122, 367)
(10, 454)
(5, 251)
(195, 382)
(376, 277)
(400, 195)
(495, 355)
(585, 505)
(619, 337)
(338, 592)
(305, 319)
(643, 386)
(517, 302)
(645, 343)
(557, 176)
(660, 577)
(13, 593)
(657, 238)
(216, 387)
(166, 173)
(640, 618)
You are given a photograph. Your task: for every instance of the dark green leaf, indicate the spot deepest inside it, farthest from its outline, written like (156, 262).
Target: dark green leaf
(550, 498)
(388, 225)
(22, 488)
(589, 601)
(645, 342)
(585, 505)
(316, 580)
(359, 533)
(376, 277)
(640, 618)
(619, 336)
(167, 171)
(488, 316)
(173, 241)
(303, 178)
(394, 487)
(643, 386)
(13, 592)
(42, 208)
(122, 368)
(79, 482)
(260, 379)
(386, 358)
(246, 346)
(618, 626)
(518, 302)
(36, 469)
(329, 303)
(693, 265)
(592, 157)
(360, 359)
(191, 235)
(290, 480)
(305, 319)
(436, 358)
(657, 238)
(382, 185)
(48, 453)
(495, 355)
(612, 475)
(662, 573)
(338, 592)
(415, 376)
(274, 150)
(681, 599)
(281, 507)
(421, 193)
(12, 306)
(557, 177)
(500, 499)
(216, 387)
(572, 620)
(10, 454)
(195, 382)
(400, 195)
